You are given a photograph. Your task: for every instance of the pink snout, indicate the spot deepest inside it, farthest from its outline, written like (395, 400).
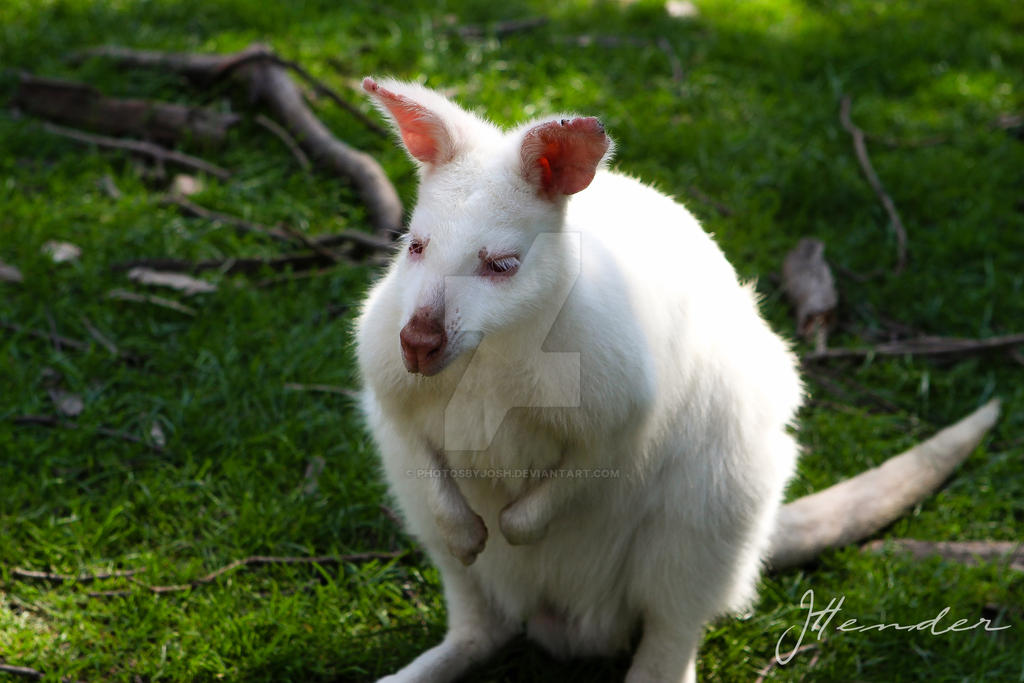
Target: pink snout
(423, 342)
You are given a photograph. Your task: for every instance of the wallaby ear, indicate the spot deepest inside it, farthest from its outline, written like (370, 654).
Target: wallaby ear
(561, 157)
(423, 131)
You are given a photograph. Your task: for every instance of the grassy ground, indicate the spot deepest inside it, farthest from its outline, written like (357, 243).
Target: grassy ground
(752, 122)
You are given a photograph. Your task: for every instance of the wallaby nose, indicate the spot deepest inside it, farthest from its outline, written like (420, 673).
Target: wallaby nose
(423, 341)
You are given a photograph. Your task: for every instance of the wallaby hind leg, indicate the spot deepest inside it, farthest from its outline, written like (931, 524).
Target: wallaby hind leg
(475, 632)
(667, 653)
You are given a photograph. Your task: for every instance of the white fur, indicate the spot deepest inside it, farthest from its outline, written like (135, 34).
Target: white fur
(683, 390)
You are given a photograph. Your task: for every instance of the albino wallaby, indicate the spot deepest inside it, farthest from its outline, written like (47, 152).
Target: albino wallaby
(581, 413)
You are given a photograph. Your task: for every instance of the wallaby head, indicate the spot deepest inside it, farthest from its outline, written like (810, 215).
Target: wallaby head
(466, 267)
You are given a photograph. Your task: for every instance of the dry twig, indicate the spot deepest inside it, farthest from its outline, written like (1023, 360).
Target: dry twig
(701, 196)
(109, 187)
(139, 147)
(323, 388)
(836, 382)
(125, 295)
(865, 164)
(54, 337)
(921, 346)
(19, 573)
(75, 344)
(312, 244)
(287, 139)
(360, 243)
(190, 208)
(99, 337)
(53, 421)
(501, 28)
(673, 59)
(915, 143)
(274, 280)
(590, 39)
(231, 266)
(254, 561)
(48, 336)
(392, 515)
(773, 663)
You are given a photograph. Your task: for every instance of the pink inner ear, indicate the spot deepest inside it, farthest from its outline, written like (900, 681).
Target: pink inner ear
(422, 132)
(561, 157)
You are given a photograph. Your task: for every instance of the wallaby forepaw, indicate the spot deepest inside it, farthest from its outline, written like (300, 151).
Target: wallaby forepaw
(518, 527)
(467, 540)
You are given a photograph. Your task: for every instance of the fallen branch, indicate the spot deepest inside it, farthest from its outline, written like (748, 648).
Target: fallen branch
(83, 106)
(53, 421)
(266, 76)
(865, 164)
(287, 139)
(858, 507)
(920, 346)
(970, 553)
(139, 147)
(19, 573)
(323, 89)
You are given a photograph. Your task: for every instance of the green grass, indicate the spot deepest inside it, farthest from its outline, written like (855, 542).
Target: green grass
(753, 123)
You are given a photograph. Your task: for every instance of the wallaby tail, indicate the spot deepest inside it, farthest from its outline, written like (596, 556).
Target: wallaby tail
(860, 506)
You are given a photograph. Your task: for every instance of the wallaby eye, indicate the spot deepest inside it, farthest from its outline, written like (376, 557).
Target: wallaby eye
(503, 266)
(416, 246)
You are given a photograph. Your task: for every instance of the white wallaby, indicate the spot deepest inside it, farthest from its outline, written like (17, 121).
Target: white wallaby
(581, 413)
